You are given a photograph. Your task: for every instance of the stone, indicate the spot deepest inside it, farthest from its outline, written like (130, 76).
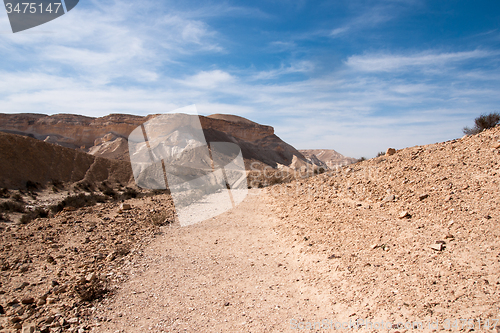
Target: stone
(111, 256)
(73, 321)
(28, 300)
(388, 198)
(390, 151)
(125, 206)
(496, 145)
(423, 196)
(12, 301)
(22, 285)
(404, 214)
(437, 247)
(28, 328)
(91, 277)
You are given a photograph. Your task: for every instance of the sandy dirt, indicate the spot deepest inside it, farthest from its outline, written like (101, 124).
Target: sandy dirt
(231, 273)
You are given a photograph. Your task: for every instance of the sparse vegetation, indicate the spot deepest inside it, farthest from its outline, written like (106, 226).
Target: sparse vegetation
(4, 193)
(380, 153)
(77, 201)
(160, 218)
(483, 122)
(12, 206)
(361, 159)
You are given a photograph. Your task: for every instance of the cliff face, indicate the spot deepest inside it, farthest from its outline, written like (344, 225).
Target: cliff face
(67, 130)
(327, 157)
(25, 159)
(107, 136)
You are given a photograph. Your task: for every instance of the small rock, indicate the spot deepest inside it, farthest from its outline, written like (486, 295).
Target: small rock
(437, 247)
(28, 328)
(23, 268)
(390, 151)
(54, 283)
(51, 300)
(22, 285)
(91, 277)
(14, 320)
(45, 329)
(28, 300)
(111, 256)
(73, 320)
(12, 301)
(226, 304)
(125, 206)
(81, 330)
(423, 196)
(51, 260)
(69, 209)
(449, 236)
(388, 198)
(404, 214)
(496, 145)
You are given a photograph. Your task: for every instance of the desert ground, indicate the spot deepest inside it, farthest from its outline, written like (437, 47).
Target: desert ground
(409, 237)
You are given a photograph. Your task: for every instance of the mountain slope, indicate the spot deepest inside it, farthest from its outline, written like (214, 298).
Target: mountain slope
(25, 159)
(412, 236)
(107, 136)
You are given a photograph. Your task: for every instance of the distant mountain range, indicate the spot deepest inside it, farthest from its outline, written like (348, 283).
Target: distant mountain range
(106, 137)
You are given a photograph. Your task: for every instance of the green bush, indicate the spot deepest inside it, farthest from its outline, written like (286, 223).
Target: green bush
(483, 122)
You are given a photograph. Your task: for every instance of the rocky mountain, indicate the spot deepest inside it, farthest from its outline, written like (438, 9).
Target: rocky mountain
(326, 157)
(107, 136)
(24, 159)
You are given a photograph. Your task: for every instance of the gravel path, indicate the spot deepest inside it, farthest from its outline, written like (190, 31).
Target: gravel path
(231, 273)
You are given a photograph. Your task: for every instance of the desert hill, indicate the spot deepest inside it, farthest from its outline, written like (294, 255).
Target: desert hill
(107, 136)
(409, 236)
(24, 159)
(326, 157)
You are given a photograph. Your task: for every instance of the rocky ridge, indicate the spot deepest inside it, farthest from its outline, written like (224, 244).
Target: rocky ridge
(107, 136)
(328, 158)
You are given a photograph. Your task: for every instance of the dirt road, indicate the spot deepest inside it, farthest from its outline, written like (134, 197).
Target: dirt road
(231, 273)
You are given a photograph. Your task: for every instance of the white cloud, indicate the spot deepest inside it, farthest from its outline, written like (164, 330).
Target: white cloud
(391, 62)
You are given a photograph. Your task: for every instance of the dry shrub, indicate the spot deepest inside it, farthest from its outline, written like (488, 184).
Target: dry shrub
(160, 218)
(12, 206)
(77, 201)
(483, 122)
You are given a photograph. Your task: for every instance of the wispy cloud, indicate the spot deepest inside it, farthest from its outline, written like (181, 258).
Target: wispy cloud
(391, 62)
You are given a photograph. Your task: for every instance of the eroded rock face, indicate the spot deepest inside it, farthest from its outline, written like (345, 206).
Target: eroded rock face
(107, 136)
(25, 159)
(328, 157)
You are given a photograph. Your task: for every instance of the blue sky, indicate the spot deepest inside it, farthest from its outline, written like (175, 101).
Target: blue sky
(354, 76)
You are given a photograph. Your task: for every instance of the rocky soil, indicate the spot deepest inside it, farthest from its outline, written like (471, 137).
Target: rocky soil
(408, 236)
(54, 270)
